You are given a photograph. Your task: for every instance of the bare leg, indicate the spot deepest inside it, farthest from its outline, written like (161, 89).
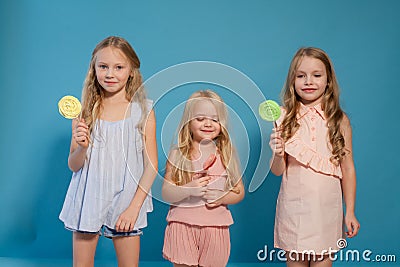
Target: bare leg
(84, 249)
(296, 260)
(127, 250)
(183, 265)
(325, 262)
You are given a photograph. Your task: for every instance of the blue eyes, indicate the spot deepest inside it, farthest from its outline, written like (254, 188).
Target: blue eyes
(105, 67)
(302, 76)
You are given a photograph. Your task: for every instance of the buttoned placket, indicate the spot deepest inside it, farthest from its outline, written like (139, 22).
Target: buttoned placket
(313, 120)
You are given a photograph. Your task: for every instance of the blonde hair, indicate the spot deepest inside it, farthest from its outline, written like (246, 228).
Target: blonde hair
(92, 93)
(330, 102)
(182, 165)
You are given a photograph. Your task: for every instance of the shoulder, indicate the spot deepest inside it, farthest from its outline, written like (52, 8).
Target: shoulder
(173, 153)
(345, 125)
(149, 104)
(145, 103)
(345, 121)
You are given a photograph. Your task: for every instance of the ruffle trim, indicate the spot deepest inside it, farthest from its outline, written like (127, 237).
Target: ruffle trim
(296, 148)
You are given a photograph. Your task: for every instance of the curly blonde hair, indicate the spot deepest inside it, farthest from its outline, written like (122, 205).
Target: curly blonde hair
(330, 102)
(92, 93)
(181, 162)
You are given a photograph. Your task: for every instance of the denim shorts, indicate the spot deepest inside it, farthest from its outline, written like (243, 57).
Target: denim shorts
(109, 232)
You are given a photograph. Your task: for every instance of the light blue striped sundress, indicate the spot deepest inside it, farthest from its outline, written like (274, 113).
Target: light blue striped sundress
(104, 187)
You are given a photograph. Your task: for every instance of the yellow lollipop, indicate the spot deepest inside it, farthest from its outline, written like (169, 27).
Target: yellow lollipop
(69, 107)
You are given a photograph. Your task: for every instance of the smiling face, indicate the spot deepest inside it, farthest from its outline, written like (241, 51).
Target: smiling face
(112, 70)
(204, 125)
(310, 81)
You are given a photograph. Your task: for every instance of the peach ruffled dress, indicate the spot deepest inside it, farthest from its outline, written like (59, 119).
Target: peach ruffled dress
(309, 212)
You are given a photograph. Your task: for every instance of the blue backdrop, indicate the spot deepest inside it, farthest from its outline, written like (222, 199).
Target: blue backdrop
(45, 51)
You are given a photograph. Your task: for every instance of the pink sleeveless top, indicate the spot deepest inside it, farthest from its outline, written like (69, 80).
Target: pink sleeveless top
(193, 210)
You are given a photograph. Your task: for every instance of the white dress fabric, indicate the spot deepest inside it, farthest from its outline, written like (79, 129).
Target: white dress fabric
(104, 187)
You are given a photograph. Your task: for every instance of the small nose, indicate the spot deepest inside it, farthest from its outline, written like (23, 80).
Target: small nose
(207, 122)
(308, 80)
(109, 73)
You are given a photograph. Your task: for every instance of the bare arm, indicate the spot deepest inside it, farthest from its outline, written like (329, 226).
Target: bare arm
(128, 218)
(79, 145)
(277, 145)
(349, 181)
(173, 193)
(233, 196)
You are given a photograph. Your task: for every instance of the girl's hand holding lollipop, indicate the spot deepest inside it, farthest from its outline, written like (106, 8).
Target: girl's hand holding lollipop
(70, 108)
(269, 110)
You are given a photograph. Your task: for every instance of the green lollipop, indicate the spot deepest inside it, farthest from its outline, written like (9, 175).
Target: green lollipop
(269, 110)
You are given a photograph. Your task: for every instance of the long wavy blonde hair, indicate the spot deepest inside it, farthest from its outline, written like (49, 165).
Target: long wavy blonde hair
(330, 102)
(181, 162)
(92, 93)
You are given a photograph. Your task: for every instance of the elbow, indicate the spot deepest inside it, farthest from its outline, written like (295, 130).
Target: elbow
(171, 193)
(236, 195)
(277, 171)
(73, 166)
(164, 197)
(241, 195)
(164, 194)
(74, 169)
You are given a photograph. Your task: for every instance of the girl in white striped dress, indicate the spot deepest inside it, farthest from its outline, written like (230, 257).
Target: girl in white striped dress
(113, 157)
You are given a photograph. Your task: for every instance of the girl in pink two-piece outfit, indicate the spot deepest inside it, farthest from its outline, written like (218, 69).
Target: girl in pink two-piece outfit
(312, 148)
(202, 177)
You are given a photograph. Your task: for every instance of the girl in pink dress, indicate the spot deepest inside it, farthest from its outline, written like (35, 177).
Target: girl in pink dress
(312, 149)
(202, 177)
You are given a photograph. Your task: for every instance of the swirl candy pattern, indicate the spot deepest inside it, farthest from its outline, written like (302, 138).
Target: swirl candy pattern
(69, 107)
(269, 110)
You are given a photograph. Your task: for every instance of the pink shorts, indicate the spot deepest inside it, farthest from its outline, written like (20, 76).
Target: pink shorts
(197, 245)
